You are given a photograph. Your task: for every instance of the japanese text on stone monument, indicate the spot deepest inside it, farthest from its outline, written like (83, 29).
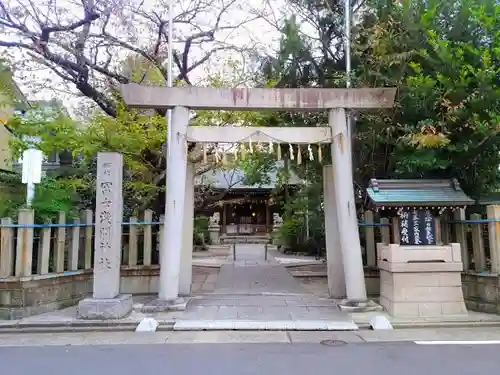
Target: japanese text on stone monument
(105, 216)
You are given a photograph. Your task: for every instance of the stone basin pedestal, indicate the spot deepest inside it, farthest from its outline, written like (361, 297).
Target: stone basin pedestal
(421, 281)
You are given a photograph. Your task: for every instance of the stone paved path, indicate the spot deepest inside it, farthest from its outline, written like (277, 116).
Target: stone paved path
(254, 293)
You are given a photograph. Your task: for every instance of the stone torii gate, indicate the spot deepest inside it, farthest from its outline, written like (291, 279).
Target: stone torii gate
(344, 258)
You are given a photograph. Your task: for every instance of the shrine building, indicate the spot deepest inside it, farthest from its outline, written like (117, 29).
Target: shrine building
(246, 210)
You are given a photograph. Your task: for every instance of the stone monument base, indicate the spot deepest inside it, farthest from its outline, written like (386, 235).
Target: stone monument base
(214, 232)
(421, 281)
(359, 306)
(158, 305)
(105, 308)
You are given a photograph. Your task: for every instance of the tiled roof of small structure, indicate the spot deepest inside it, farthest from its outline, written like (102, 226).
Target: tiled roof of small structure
(417, 192)
(489, 198)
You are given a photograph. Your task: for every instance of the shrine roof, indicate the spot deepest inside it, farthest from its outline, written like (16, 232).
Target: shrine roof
(417, 192)
(489, 198)
(233, 179)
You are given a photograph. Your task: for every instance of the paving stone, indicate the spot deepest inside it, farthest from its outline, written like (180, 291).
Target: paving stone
(227, 312)
(249, 312)
(317, 314)
(201, 312)
(212, 302)
(257, 294)
(263, 300)
(309, 302)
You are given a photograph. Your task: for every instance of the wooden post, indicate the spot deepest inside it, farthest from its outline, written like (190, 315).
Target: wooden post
(44, 250)
(478, 244)
(385, 230)
(60, 243)
(396, 238)
(132, 242)
(268, 217)
(371, 254)
(89, 230)
(75, 246)
(148, 218)
(445, 228)
(439, 236)
(461, 238)
(7, 248)
(224, 218)
(24, 250)
(493, 212)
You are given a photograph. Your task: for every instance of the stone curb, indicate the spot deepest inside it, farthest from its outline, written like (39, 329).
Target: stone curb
(55, 327)
(418, 325)
(103, 326)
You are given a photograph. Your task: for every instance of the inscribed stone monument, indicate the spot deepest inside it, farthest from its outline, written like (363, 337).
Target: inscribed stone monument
(108, 221)
(107, 303)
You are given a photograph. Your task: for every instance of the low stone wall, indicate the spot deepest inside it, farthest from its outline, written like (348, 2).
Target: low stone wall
(481, 292)
(39, 294)
(144, 280)
(33, 295)
(372, 279)
(27, 296)
(139, 279)
(316, 273)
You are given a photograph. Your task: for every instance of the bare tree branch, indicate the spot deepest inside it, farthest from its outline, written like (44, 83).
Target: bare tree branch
(90, 40)
(94, 45)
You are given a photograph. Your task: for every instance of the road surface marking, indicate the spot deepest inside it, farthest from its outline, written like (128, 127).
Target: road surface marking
(490, 342)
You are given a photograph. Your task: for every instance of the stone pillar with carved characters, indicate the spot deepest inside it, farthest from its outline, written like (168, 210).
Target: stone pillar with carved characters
(106, 301)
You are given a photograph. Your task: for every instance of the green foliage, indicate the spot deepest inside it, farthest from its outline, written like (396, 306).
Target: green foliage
(444, 57)
(257, 168)
(7, 86)
(137, 135)
(201, 235)
(12, 194)
(303, 221)
(51, 197)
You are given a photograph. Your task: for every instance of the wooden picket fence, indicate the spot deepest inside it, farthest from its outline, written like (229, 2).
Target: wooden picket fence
(68, 244)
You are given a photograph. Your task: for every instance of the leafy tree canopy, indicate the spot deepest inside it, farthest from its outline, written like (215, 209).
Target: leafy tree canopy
(443, 56)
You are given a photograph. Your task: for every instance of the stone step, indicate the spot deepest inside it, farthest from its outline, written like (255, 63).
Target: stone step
(269, 325)
(245, 239)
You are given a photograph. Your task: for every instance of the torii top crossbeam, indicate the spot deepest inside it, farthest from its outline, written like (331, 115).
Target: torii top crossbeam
(302, 99)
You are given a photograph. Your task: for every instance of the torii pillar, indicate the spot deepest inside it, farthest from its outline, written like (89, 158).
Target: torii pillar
(335, 101)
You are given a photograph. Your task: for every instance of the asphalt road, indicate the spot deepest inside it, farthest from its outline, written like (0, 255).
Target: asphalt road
(253, 359)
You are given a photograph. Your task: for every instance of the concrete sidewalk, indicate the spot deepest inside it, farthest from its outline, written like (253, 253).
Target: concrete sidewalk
(245, 337)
